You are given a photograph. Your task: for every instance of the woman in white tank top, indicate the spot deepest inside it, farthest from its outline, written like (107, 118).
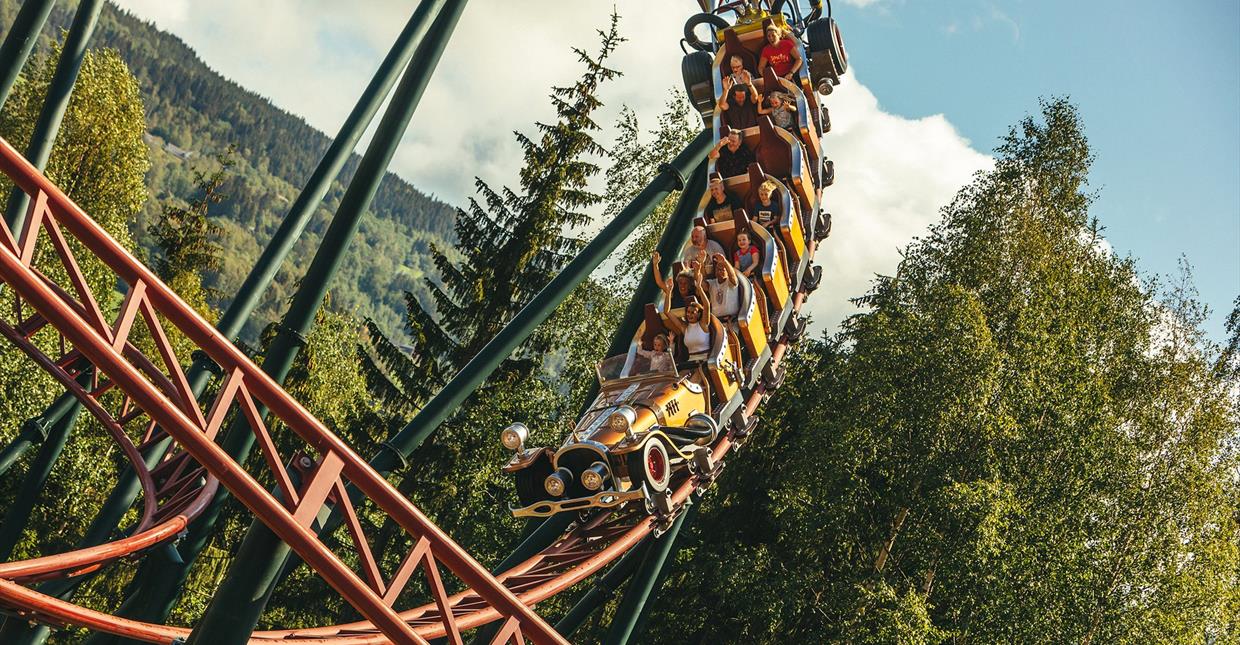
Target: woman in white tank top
(695, 326)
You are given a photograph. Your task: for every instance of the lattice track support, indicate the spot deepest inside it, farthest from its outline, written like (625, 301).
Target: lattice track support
(156, 392)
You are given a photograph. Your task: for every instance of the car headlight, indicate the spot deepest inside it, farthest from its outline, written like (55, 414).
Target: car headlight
(622, 420)
(513, 437)
(594, 476)
(557, 482)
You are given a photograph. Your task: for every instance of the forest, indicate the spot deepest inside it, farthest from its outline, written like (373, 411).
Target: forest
(1019, 436)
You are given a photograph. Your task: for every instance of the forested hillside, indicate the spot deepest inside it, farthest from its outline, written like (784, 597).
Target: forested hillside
(193, 114)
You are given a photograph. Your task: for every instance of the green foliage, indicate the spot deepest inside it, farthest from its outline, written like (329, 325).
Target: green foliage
(512, 246)
(99, 160)
(195, 113)
(185, 235)
(1018, 441)
(635, 162)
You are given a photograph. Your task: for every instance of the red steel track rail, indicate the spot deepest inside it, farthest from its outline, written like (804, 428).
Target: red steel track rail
(159, 389)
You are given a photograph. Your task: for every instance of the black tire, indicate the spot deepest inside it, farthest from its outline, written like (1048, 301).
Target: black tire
(839, 54)
(691, 38)
(639, 474)
(696, 68)
(825, 39)
(530, 480)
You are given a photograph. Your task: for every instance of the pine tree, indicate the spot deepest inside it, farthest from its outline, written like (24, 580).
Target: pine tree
(512, 243)
(185, 235)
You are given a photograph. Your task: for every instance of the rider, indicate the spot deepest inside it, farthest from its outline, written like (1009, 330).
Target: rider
(721, 204)
(731, 156)
(780, 53)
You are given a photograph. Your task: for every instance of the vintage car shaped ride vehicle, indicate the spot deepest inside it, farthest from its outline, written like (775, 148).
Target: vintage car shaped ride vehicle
(643, 429)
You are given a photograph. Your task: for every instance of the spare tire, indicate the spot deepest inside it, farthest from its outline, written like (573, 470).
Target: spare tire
(718, 22)
(697, 70)
(826, 42)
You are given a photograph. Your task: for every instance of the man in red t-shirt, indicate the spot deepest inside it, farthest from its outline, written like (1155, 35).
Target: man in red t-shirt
(780, 53)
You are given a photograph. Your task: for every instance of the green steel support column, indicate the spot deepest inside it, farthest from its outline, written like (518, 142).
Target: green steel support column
(58, 93)
(643, 585)
(399, 446)
(234, 611)
(602, 591)
(260, 276)
(35, 430)
(15, 518)
(439, 408)
(157, 586)
(21, 39)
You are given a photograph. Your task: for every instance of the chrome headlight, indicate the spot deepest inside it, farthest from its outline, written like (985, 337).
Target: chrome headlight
(622, 420)
(557, 482)
(594, 476)
(513, 437)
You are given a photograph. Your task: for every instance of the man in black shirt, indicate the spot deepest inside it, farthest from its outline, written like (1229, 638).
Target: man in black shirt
(731, 155)
(721, 204)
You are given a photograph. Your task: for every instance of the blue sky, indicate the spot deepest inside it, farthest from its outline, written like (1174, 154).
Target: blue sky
(1157, 83)
(932, 88)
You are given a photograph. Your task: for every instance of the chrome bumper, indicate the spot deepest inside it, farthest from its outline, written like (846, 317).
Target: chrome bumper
(605, 499)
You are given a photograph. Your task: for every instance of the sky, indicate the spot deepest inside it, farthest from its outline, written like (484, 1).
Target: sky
(931, 88)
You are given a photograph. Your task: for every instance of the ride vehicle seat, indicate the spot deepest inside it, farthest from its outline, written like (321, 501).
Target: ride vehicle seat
(732, 47)
(774, 153)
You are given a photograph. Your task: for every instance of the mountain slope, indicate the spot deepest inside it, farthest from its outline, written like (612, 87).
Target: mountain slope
(194, 113)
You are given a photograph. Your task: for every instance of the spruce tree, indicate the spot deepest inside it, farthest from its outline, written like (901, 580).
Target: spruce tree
(512, 243)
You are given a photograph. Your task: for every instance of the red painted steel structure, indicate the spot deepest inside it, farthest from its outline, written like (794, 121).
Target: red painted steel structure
(176, 490)
(157, 393)
(178, 487)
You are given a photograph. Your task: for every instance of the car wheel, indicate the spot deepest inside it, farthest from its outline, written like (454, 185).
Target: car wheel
(651, 466)
(530, 480)
(697, 70)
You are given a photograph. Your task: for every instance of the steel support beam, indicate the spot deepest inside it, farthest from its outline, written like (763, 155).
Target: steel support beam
(158, 585)
(644, 585)
(15, 518)
(603, 590)
(58, 93)
(269, 555)
(235, 609)
(671, 177)
(35, 430)
(399, 446)
(22, 36)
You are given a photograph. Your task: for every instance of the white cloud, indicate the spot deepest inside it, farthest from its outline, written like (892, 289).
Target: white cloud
(314, 57)
(892, 174)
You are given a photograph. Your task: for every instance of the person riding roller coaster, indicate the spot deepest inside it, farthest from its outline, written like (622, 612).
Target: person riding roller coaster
(694, 327)
(780, 53)
(721, 204)
(732, 157)
(739, 104)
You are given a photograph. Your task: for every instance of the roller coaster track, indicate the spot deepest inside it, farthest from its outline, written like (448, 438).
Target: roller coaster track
(127, 374)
